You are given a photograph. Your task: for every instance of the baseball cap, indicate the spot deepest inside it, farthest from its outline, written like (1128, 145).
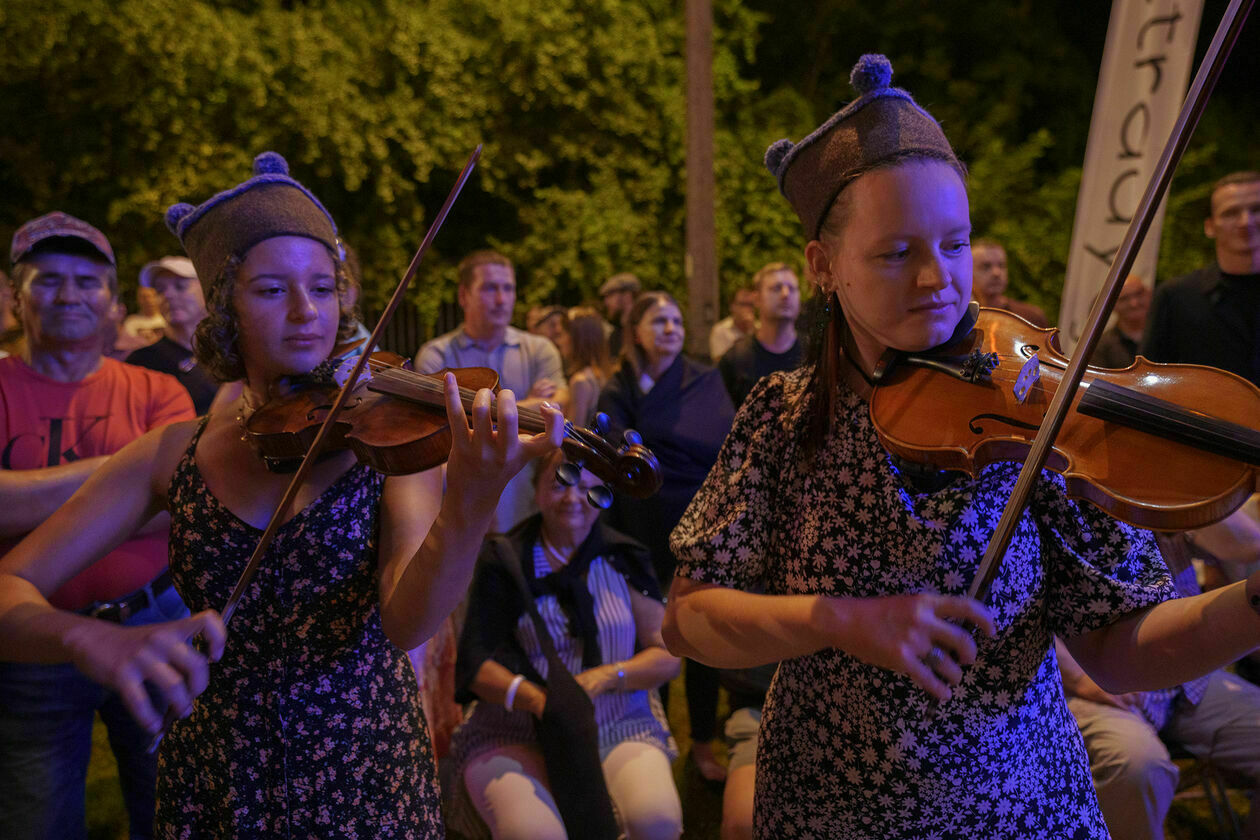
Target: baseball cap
(179, 266)
(57, 225)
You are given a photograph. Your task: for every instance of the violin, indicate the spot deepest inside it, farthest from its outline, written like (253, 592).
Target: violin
(394, 420)
(1166, 447)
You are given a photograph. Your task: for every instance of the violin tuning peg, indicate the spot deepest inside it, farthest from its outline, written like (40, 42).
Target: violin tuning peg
(632, 438)
(568, 474)
(602, 424)
(600, 496)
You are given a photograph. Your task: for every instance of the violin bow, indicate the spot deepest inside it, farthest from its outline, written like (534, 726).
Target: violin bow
(1205, 79)
(317, 446)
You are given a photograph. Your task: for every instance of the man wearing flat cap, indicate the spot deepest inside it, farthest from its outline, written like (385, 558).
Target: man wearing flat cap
(64, 408)
(618, 293)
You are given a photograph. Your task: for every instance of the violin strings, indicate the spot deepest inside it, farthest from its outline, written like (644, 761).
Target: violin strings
(425, 388)
(1011, 380)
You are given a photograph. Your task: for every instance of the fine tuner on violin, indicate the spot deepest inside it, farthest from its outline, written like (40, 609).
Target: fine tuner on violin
(1168, 447)
(395, 422)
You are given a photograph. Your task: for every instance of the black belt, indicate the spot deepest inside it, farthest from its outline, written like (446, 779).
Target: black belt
(128, 605)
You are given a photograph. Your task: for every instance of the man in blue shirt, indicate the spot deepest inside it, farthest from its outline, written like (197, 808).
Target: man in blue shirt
(527, 364)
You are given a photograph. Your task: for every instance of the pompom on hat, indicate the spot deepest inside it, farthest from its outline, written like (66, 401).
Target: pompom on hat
(883, 122)
(269, 204)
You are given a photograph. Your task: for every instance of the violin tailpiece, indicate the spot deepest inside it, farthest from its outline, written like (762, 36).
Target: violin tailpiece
(974, 367)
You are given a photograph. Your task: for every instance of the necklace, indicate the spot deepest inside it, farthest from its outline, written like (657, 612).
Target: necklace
(243, 413)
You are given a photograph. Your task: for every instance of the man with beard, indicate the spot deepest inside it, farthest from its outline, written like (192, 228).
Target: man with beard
(618, 293)
(774, 345)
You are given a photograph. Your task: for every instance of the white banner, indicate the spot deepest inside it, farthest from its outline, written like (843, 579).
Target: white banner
(1145, 72)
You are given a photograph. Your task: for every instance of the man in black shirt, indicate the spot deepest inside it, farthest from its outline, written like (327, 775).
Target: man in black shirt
(1212, 316)
(184, 306)
(774, 345)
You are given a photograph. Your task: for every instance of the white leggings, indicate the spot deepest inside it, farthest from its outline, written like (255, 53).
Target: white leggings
(509, 789)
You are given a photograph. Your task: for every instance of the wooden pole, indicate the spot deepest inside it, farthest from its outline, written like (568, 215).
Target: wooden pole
(701, 261)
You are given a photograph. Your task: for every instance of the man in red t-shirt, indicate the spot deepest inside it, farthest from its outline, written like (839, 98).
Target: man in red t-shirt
(64, 408)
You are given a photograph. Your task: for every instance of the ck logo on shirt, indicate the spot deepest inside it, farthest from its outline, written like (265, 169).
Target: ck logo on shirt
(55, 445)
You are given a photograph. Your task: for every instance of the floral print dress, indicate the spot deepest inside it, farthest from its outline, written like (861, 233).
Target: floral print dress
(311, 725)
(851, 750)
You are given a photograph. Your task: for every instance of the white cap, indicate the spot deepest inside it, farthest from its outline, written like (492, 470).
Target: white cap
(179, 266)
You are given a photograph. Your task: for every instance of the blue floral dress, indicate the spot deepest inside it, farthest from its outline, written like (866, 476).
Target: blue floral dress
(847, 749)
(311, 725)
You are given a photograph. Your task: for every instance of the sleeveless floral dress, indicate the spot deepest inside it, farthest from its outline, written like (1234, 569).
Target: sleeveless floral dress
(311, 725)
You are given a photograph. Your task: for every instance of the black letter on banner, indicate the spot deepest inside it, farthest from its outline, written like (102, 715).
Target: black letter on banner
(1105, 257)
(1129, 150)
(1116, 218)
(1156, 63)
(1171, 21)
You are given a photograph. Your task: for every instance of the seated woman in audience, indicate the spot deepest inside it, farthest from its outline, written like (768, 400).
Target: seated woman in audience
(601, 605)
(683, 412)
(310, 722)
(584, 346)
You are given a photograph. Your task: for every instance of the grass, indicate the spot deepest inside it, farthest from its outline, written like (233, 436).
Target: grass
(1189, 819)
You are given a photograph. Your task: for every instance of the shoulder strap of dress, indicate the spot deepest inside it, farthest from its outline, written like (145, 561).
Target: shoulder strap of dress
(201, 427)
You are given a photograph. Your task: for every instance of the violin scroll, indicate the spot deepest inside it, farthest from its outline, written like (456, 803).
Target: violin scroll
(632, 468)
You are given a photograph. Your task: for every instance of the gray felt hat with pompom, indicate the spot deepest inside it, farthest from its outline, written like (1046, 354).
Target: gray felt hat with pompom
(881, 123)
(269, 204)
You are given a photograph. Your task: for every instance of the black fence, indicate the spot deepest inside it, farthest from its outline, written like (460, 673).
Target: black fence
(405, 333)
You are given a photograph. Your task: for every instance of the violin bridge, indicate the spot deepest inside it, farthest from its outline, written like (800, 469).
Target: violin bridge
(1029, 375)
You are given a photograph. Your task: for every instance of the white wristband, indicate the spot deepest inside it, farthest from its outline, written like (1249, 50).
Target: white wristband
(510, 697)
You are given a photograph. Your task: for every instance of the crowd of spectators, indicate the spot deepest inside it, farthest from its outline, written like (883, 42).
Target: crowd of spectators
(560, 583)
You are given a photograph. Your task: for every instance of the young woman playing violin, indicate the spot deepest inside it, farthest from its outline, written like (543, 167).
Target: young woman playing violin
(810, 544)
(304, 720)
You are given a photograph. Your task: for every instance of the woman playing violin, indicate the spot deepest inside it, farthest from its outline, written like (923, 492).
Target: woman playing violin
(304, 719)
(810, 544)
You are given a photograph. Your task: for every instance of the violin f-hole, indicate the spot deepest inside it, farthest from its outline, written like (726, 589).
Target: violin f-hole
(316, 414)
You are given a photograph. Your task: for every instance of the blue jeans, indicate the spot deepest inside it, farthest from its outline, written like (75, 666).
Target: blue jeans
(46, 717)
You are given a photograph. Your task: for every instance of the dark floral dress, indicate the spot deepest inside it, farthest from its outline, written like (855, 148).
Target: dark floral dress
(311, 725)
(851, 750)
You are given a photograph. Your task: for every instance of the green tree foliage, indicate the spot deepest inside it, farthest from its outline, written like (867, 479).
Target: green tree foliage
(128, 107)
(1013, 85)
(113, 111)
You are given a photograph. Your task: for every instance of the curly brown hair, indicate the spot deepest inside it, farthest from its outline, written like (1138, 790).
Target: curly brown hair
(215, 341)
